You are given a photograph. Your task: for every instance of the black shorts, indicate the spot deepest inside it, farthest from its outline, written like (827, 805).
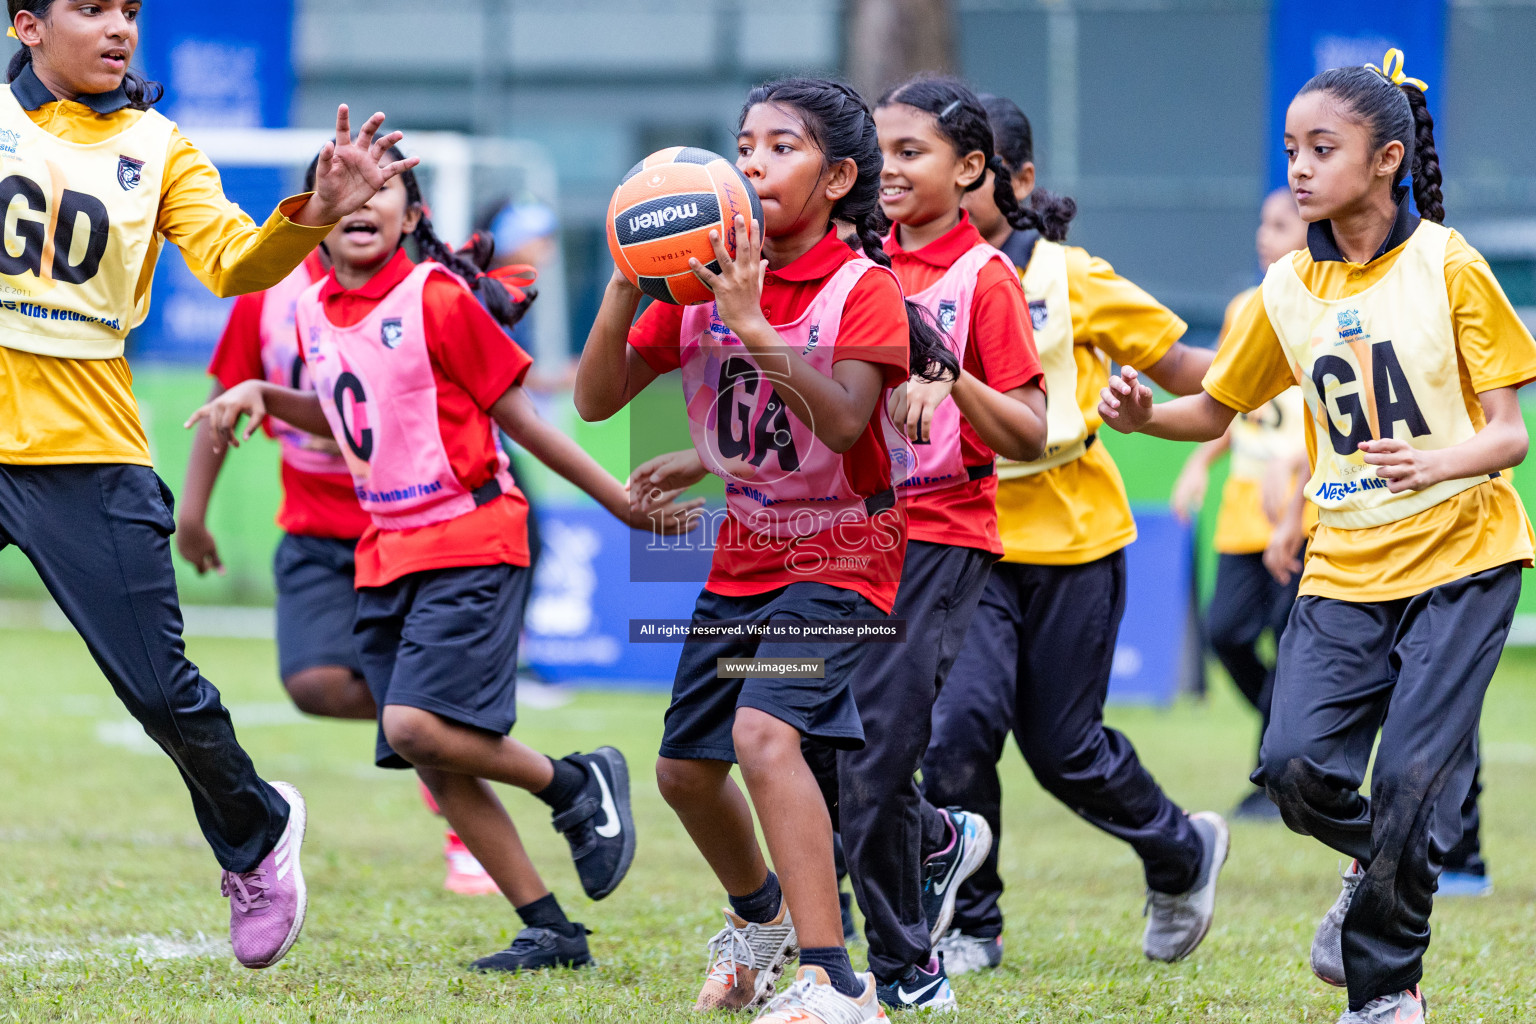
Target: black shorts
(316, 604)
(444, 641)
(703, 710)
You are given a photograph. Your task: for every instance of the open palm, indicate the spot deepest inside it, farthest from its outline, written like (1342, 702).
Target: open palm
(351, 171)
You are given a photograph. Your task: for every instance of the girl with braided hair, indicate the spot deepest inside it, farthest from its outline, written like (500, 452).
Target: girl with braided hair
(935, 145)
(787, 374)
(1409, 355)
(1038, 657)
(412, 376)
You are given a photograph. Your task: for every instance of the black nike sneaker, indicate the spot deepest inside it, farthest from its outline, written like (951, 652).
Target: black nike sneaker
(921, 988)
(970, 839)
(539, 949)
(598, 823)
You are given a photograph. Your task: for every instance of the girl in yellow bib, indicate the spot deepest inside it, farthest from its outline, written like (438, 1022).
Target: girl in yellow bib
(1265, 446)
(1408, 355)
(92, 180)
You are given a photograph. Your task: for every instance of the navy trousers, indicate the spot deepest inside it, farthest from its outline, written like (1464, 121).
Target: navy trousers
(99, 536)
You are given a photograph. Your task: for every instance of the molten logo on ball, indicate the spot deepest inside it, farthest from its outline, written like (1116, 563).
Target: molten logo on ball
(657, 218)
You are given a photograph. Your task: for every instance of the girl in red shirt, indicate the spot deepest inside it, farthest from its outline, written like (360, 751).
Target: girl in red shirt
(786, 375)
(906, 858)
(413, 375)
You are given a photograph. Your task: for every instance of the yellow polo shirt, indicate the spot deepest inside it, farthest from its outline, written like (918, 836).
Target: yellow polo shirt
(1078, 512)
(58, 411)
(1477, 529)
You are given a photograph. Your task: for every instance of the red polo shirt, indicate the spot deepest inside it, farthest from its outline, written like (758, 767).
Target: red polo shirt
(1000, 353)
(473, 365)
(873, 328)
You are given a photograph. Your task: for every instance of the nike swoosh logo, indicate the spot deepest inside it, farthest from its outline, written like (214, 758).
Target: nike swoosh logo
(610, 826)
(911, 997)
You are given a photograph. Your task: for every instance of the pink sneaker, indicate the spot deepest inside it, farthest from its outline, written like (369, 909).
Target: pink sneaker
(465, 875)
(267, 905)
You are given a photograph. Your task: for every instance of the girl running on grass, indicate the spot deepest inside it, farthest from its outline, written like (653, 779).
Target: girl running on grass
(1261, 477)
(1409, 355)
(786, 374)
(412, 376)
(937, 148)
(96, 179)
(314, 568)
(1038, 654)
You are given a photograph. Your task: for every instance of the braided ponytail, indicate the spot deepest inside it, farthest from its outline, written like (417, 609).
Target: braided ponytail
(471, 265)
(1426, 161)
(840, 126)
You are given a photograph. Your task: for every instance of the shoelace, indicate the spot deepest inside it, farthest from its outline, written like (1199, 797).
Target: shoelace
(730, 951)
(822, 1000)
(247, 891)
(795, 995)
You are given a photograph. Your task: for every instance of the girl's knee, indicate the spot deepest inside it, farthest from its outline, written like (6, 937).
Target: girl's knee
(762, 740)
(684, 782)
(414, 734)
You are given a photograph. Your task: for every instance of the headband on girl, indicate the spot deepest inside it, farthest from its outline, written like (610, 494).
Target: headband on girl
(1392, 71)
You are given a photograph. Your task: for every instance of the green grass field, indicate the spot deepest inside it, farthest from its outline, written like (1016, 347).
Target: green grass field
(109, 905)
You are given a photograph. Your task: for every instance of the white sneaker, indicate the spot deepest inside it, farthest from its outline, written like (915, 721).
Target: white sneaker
(1328, 943)
(964, 953)
(1178, 923)
(813, 1000)
(1398, 1008)
(746, 962)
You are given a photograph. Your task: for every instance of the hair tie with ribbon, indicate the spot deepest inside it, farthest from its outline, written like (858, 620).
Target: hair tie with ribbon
(11, 32)
(1392, 71)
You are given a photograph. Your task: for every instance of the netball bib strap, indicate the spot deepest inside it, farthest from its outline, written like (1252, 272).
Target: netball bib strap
(77, 233)
(1067, 437)
(1381, 363)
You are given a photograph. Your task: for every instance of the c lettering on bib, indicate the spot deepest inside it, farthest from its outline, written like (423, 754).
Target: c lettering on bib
(362, 443)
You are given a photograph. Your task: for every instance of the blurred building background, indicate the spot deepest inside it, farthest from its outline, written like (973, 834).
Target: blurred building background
(1154, 114)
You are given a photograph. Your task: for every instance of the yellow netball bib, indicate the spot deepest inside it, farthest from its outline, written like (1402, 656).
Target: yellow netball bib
(1379, 364)
(1050, 311)
(77, 231)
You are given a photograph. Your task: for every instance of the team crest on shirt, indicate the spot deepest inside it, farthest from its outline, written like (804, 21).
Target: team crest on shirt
(815, 338)
(392, 332)
(10, 141)
(129, 172)
(1350, 328)
(947, 315)
(1038, 314)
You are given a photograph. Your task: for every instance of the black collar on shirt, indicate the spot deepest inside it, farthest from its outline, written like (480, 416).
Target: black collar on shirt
(1324, 249)
(1020, 246)
(32, 94)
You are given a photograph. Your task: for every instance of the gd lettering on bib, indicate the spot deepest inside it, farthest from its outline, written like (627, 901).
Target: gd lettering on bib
(1378, 364)
(780, 479)
(77, 233)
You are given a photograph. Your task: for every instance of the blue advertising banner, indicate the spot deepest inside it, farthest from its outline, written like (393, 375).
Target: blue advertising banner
(223, 66)
(595, 576)
(1308, 36)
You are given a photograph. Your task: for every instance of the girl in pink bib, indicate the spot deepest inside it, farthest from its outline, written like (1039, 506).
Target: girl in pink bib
(412, 378)
(786, 375)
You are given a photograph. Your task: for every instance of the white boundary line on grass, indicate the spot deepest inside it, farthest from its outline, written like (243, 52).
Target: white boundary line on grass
(123, 949)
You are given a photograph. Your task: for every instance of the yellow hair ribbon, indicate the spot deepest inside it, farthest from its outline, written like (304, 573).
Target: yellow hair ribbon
(1392, 70)
(11, 31)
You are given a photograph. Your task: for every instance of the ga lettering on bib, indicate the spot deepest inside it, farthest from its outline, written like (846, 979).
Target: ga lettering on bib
(1378, 364)
(77, 234)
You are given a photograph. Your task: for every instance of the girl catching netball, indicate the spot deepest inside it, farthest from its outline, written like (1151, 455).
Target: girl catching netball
(937, 147)
(103, 179)
(1037, 658)
(813, 336)
(1261, 478)
(1409, 356)
(412, 377)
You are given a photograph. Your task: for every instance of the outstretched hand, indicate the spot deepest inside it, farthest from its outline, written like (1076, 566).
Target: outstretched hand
(1126, 404)
(225, 412)
(351, 171)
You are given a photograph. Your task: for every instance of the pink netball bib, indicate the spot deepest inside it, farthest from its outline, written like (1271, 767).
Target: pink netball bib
(780, 480)
(937, 463)
(281, 364)
(376, 385)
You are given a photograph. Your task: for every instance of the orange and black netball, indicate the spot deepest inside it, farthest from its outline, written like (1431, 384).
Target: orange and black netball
(661, 216)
